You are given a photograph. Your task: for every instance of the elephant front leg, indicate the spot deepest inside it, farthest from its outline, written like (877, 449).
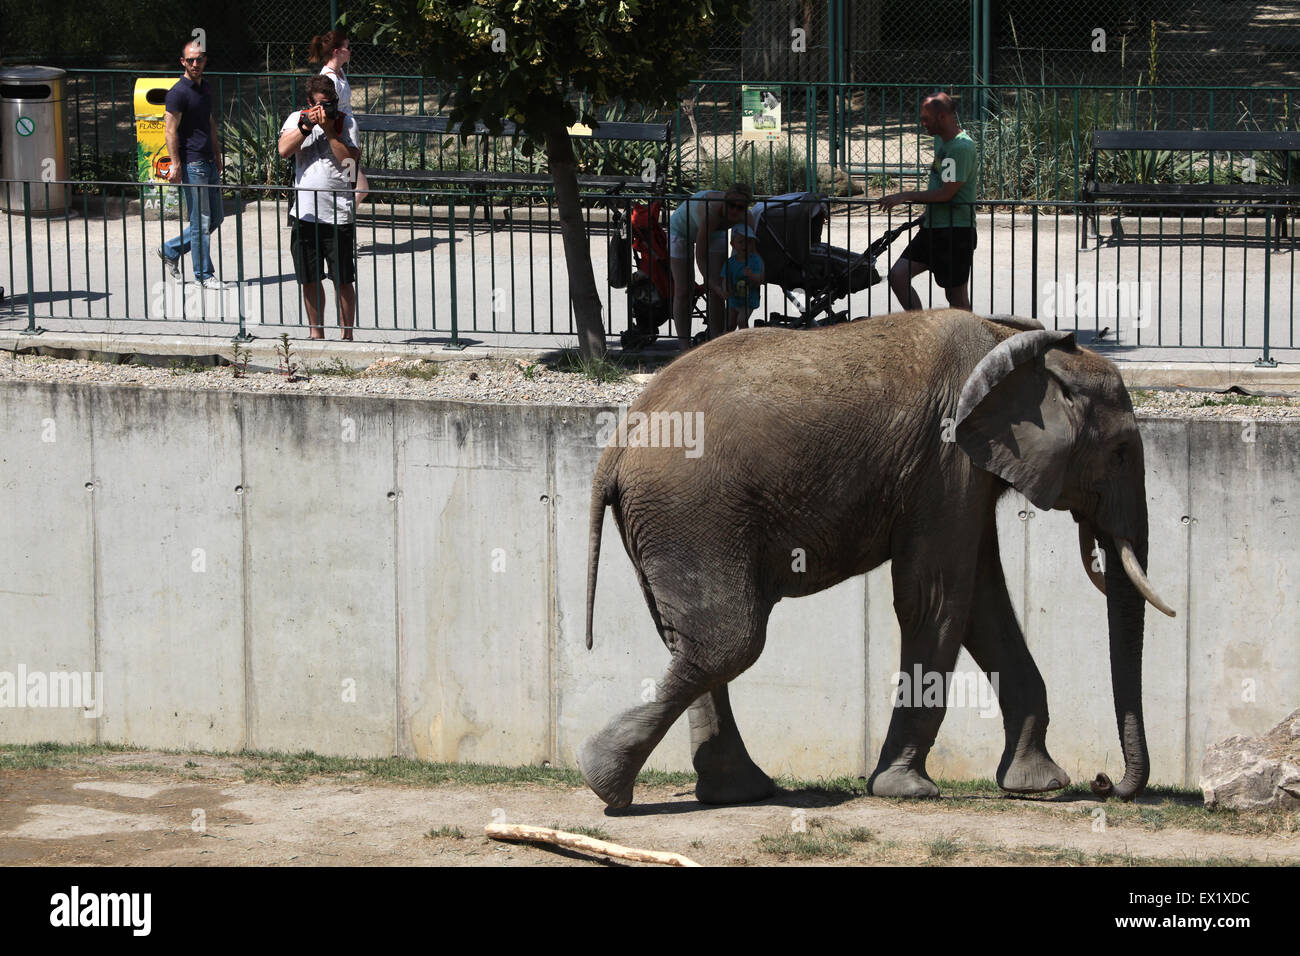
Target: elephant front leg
(933, 604)
(997, 644)
(727, 774)
(901, 772)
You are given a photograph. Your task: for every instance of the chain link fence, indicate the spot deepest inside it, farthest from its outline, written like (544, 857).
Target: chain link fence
(142, 33)
(876, 41)
(283, 33)
(1157, 42)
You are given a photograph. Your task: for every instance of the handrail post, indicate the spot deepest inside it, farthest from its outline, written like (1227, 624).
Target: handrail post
(31, 288)
(455, 345)
(242, 335)
(1266, 361)
(1033, 267)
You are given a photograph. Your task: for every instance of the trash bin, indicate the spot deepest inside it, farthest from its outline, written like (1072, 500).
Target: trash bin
(152, 159)
(33, 136)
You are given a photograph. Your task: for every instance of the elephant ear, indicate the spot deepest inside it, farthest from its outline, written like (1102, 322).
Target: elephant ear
(1015, 418)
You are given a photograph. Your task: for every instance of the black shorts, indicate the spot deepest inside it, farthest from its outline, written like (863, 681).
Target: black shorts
(314, 243)
(948, 253)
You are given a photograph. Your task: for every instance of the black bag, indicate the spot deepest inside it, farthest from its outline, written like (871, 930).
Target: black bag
(620, 258)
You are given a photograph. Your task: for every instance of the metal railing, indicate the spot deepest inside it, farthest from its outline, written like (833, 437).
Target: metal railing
(440, 266)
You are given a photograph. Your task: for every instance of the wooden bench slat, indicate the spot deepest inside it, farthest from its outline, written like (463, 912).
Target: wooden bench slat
(480, 177)
(1191, 190)
(1192, 140)
(633, 132)
(383, 123)
(486, 177)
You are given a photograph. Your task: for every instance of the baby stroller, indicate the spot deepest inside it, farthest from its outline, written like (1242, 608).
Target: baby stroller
(650, 286)
(794, 257)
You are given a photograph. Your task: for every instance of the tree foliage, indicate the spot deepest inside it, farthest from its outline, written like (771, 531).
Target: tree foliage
(524, 59)
(529, 60)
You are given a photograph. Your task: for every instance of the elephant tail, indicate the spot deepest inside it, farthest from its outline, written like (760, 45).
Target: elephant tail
(602, 494)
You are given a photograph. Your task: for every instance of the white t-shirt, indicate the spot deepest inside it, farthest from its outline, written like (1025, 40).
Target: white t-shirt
(325, 192)
(341, 86)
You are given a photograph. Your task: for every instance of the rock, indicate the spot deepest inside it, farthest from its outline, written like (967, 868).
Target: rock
(836, 182)
(1254, 773)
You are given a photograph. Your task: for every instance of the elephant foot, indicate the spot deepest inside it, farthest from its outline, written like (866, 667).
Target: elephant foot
(606, 772)
(727, 774)
(1032, 773)
(901, 782)
(745, 786)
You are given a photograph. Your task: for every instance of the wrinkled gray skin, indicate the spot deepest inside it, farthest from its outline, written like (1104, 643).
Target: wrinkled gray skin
(832, 441)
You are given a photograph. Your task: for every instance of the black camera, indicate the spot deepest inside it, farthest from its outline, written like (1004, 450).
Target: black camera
(331, 109)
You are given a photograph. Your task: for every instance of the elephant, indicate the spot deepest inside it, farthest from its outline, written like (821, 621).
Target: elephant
(890, 438)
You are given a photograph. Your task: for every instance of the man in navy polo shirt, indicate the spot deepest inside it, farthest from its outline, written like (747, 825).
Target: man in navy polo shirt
(195, 153)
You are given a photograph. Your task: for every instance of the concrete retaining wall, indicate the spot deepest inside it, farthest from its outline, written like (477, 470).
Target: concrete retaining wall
(365, 576)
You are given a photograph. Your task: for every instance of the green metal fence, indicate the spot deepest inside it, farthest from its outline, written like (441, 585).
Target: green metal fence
(430, 271)
(1034, 141)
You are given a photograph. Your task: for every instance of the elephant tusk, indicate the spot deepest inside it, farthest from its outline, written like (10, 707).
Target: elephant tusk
(1087, 543)
(1139, 579)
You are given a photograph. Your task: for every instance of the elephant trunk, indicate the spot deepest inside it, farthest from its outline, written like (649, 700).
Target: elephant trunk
(1126, 616)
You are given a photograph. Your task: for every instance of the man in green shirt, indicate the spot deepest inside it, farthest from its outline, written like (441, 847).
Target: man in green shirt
(945, 243)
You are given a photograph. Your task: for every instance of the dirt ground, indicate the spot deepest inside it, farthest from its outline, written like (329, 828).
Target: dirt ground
(198, 810)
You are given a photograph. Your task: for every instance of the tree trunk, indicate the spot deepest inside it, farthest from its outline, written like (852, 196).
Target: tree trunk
(577, 250)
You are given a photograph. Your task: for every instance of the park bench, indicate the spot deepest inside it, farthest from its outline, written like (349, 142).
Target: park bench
(1191, 142)
(488, 177)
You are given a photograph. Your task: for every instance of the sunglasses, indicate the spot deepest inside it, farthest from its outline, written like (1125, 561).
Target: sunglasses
(191, 60)
(738, 206)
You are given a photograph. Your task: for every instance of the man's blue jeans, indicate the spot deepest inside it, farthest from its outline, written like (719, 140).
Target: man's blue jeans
(204, 206)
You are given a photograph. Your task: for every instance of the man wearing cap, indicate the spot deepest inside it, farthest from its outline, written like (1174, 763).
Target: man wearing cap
(743, 276)
(195, 155)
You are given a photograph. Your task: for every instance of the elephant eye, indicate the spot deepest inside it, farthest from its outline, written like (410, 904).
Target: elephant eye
(1119, 454)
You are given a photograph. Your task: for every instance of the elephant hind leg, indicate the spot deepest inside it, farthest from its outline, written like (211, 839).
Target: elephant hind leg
(611, 758)
(727, 774)
(707, 652)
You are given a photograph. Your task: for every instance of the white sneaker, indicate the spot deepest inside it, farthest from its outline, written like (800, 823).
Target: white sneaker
(213, 284)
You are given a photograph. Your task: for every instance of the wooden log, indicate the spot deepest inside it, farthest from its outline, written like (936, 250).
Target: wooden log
(576, 841)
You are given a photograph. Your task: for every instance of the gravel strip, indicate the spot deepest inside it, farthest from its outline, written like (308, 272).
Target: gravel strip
(493, 381)
(498, 381)
(1203, 405)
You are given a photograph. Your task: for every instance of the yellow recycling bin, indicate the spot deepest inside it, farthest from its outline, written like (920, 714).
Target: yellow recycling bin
(152, 160)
